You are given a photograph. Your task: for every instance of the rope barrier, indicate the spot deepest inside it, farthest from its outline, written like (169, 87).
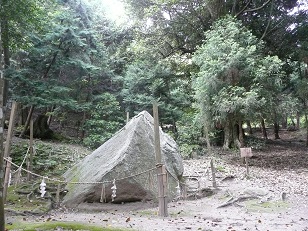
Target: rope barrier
(23, 161)
(103, 183)
(66, 182)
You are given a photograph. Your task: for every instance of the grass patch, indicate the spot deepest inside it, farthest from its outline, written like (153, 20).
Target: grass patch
(220, 168)
(26, 226)
(179, 214)
(270, 206)
(147, 213)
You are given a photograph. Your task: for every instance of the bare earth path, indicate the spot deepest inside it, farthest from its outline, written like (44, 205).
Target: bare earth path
(278, 187)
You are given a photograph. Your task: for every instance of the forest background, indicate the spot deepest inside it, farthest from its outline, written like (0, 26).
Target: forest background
(215, 67)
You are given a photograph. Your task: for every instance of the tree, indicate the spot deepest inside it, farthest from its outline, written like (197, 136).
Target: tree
(269, 74)
(299, 79)
(16, 17)
(178, 26)
(227, 88)
(148, 80)
(67, 65)
(105, 119)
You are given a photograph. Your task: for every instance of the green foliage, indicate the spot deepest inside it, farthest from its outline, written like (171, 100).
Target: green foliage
(105, 119)
(269, 75)
(64, 54)
(137, 90)
(148, 80)
(223, 84)
(48, 158)
(66, 64)
(188, 134)
(234, 81)
(237, 101)
(18, 17)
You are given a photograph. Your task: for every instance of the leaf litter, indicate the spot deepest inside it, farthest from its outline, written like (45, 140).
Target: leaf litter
(273, 197)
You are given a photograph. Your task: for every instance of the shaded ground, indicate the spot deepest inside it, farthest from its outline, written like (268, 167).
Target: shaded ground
(278, 187)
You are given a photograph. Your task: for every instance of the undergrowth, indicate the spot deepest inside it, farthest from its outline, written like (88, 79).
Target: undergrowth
(49, 158)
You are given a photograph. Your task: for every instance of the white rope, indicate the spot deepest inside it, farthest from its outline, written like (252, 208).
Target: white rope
(72, 182)
(114, 191)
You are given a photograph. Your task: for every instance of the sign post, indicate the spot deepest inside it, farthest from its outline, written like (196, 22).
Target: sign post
(246, 153)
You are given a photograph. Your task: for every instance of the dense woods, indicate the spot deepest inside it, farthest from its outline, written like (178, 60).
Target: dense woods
(217, 68)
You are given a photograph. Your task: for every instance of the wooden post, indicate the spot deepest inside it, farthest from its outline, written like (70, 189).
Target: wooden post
(213, 174)
(162, 197)
(156, 134)
(30, 161)
(127, 117)
(185, 192)
(161, 171)
(247, 169)
(10, 130)
(7, 177)
(58, 195)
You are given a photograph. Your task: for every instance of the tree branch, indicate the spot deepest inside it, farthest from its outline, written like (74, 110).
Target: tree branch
(258, 8)
(269, 21)
(244, 8)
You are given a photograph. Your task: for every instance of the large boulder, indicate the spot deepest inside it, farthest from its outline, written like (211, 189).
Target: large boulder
(129, 159)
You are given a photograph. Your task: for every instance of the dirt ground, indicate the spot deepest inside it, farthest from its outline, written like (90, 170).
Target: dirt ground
(273, 197)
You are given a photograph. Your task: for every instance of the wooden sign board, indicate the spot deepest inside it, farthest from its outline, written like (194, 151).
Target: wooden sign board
(246, 152)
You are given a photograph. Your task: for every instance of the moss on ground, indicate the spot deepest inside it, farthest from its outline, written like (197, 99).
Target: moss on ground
(26, 201)
(26, 198)
(54, 225)
(269, 206)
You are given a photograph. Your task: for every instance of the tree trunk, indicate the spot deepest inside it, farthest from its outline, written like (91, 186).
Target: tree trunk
(241, 135)
(27, 121)
(276, 130)
(83, 132)
(10, 130)
(235, 136)
(6, 55)
(284, 123)
(23, 115)
(50, 116)
(227, 135)
(263, 128)
(40, 128)
(249, 128)
(207, 137)
(297, 121)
